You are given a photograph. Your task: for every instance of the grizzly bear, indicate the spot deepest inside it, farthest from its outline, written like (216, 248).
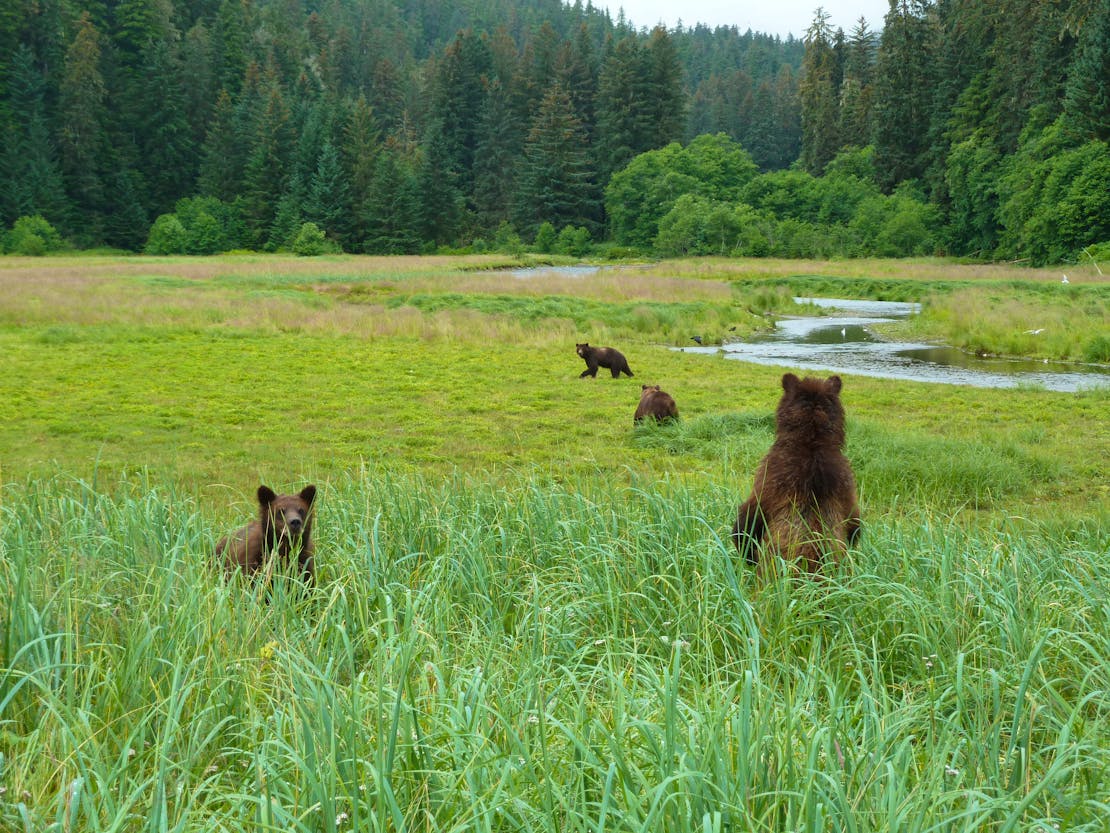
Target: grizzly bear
(606, 357)
(283, 530)
(655, 403)
(803, 505)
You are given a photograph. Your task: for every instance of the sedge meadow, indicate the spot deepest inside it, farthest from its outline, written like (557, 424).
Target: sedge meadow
(530, 615)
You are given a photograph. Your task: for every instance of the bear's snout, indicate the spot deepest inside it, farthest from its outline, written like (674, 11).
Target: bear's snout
(294, 523)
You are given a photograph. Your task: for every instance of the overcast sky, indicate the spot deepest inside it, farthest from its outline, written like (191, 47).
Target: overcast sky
(776, 17)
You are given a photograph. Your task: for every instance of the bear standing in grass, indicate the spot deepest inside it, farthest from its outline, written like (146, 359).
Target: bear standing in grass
(606, 357)
(656, 404)
(283, 530)
(803, 505)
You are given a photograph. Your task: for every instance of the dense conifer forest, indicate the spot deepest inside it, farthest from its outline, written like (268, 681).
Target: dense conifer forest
(968, 127)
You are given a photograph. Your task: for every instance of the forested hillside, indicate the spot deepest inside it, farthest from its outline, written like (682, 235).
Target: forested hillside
(973, 127)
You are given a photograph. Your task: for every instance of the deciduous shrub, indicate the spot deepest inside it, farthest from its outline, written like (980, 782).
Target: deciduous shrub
(31, 235)
(310, 241)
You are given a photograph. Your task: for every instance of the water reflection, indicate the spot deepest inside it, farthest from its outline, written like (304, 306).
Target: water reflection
(842, 343)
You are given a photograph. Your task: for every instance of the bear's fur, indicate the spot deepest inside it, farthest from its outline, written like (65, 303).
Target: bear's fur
(606, 357)
(283, 531)
(655, 403)
(803, 505)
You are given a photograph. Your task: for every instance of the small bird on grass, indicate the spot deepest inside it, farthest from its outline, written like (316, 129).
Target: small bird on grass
(696, 339)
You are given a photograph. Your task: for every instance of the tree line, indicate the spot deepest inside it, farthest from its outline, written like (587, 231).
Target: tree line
(970, 127)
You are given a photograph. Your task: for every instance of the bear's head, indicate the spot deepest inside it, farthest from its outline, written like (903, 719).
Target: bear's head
(582, 349)
(286, 516)
(810, 409)
(645, 390)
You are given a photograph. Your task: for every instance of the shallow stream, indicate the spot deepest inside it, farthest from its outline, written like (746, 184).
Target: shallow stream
(842, 342)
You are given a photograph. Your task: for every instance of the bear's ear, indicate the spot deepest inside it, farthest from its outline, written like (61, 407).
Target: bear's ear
(266, 495)
(308, 494)
(643, 387)
(790, 381)
(834, 384)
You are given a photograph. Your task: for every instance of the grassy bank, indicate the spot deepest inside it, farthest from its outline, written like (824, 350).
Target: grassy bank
(545, 656)
(529, 616)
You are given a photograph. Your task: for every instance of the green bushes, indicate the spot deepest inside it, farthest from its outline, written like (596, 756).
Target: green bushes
(198, 226)
(31, 235)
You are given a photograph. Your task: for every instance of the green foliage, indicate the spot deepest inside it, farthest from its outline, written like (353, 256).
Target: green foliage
(32, 235)
(110, 116)
(167, 236)
(198, 226)
(699, 226)
(506, 239)
(605, 641)
(310, 241)
(1055, 197)
(545, 238)
(574, 241)
(638, 196)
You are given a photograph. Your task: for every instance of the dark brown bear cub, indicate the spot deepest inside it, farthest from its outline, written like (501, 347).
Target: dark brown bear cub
(283, 531)
(803, 505)
(656, 404)
(606, 357)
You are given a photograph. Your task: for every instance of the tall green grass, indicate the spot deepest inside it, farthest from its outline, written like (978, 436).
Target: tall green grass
(543, 653)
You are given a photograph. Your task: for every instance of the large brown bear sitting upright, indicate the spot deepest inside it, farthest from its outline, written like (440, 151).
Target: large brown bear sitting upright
(803, 505)
(283, 530)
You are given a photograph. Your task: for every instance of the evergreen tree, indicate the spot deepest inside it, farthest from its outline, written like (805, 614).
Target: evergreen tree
(665, 101)
(167, 153)
(788, 118)
(1087, 103)
(441, 203)
(199, 75)
(624, 112)
(329, 196)
(222, 159)
(263, 179)
(83, 140)
(557, 178)
(359, 154)
(500, 144)
(392, 216)
(818, 94)
(902, 102)
(458, 94)
(856, 88)
(33, 178)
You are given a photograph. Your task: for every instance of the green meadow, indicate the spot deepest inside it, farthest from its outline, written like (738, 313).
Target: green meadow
(529, 614)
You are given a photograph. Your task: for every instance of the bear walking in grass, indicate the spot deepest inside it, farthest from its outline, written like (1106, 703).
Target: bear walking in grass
(803, 505)
(282, 532)
(606, 357)
(655, 404)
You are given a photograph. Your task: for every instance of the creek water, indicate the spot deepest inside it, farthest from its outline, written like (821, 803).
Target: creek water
(842, 342)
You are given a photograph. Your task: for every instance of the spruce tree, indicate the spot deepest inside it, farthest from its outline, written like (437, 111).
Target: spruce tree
(1087, 101)
(392, 215)
(496, 158)
(856, 87)
(818, 93)
(557, 177)
(903, 93)
(263, 178)
(329, 196)
(33, 178)
(83, 140)
(222, 158)
(361, 145)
